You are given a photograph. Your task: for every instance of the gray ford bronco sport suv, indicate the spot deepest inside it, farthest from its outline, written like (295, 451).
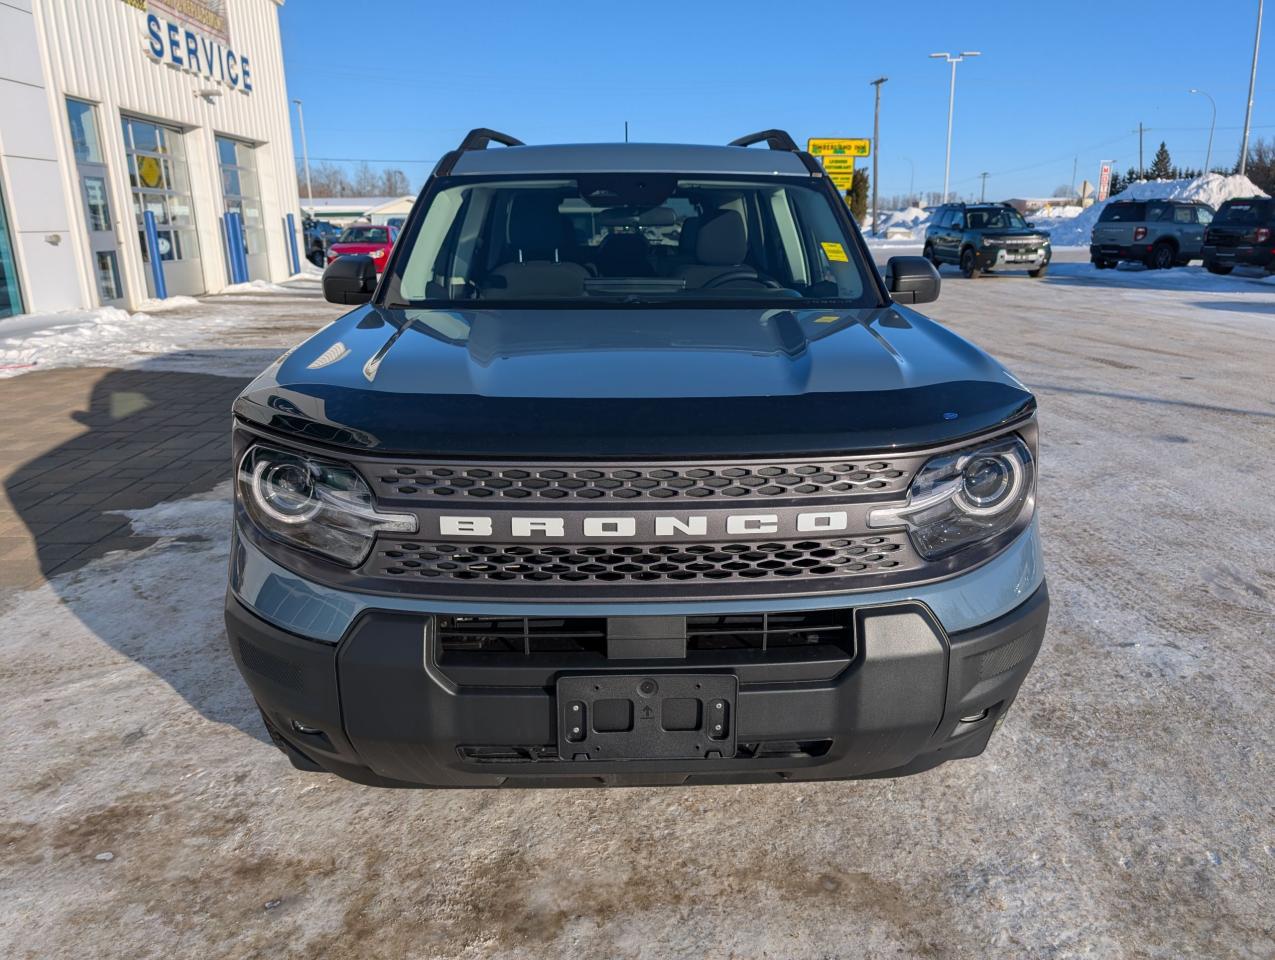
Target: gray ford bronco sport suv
(1158, 233)
(632, 469)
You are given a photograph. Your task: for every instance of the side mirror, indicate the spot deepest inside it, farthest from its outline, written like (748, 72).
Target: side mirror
(1030, 225)
(349, 280)
(912, 280)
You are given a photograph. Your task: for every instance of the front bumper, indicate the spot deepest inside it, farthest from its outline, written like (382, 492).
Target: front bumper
(380, 707)
(1008, 258)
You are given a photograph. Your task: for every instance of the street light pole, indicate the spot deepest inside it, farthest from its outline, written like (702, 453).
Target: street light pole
(951, 103)
(1252, 81)
(1208, 154)
(983, 195)
(305, 157)
(876, 147)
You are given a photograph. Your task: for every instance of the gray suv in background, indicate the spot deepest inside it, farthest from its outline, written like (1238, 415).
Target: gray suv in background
(1159, 233)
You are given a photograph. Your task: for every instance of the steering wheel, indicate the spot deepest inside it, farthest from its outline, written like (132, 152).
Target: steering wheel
(751, 275)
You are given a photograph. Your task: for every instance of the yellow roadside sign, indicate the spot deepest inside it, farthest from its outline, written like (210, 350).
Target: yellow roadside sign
(851, 147)
(842, 181)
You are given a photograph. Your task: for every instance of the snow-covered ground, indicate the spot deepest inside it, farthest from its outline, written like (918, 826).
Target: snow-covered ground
(1122, 812)
(244, 315)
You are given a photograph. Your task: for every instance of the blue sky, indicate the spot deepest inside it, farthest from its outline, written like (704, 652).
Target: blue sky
(398, 83)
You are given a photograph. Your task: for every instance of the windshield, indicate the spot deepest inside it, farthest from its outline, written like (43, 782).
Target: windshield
(363, 235)
(1244, 211)
(629, 238)
(997, 218)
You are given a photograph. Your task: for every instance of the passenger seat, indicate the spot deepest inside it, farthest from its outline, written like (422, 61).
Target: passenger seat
(535, 241)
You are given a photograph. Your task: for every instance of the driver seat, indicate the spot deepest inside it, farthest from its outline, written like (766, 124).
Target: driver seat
(720, 248)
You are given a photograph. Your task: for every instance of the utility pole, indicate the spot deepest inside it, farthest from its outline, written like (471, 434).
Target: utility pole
(1142, 175)
(1208, 153)
(951, 103)
(876, 147)
(305, 157)
(626, 131)
(1071, 191)
(1252, 81)
(982, 196)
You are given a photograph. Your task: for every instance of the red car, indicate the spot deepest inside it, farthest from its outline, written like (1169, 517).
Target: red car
(371, 240)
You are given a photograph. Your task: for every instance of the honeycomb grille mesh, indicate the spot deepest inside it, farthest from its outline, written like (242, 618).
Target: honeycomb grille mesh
(654, 482)
(700, 562)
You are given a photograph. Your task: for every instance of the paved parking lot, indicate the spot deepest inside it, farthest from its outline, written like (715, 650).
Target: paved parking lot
(1125, 809)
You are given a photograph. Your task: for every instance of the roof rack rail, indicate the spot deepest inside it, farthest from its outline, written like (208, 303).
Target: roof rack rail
(479, 137)
(476, 139)
(780, 140)
(775, 139)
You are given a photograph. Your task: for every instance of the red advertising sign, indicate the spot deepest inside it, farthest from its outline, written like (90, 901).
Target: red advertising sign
(1104, 182)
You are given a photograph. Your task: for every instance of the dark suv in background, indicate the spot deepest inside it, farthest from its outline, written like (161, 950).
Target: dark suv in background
(986, 236)
(1158, 233)
(1243, 232)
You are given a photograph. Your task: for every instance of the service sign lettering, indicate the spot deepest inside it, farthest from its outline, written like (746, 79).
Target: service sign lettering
(178, 45)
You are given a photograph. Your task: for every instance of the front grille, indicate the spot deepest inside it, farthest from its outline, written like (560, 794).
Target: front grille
(675, 564)
(530, 636)
(730, 481)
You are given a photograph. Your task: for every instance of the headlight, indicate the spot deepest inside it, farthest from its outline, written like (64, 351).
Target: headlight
(377, 254)
(314, 504)
(965, 497)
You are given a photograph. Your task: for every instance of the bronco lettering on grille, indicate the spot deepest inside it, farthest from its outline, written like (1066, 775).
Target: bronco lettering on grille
(623, 526)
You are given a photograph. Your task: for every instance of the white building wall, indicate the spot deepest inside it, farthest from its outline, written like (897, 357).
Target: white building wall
(97, 50)
(49, 273)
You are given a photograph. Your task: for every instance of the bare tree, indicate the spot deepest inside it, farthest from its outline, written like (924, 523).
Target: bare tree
(394, 183)
(328, 180)
(366, 182)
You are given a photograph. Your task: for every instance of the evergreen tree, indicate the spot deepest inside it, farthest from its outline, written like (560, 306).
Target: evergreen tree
(1162, 165)
(857, 195)
(1117, 183)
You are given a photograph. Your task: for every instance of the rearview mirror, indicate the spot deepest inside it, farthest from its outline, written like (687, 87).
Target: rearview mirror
(912, 280)
(350, 280)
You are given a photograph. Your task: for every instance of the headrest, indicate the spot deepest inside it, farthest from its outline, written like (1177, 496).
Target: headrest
(535, 225)
(722, 240)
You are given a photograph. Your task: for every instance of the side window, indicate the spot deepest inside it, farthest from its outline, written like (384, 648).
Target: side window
(1203, 215)
(1184, 215)
(958, 219)
(1157, 211)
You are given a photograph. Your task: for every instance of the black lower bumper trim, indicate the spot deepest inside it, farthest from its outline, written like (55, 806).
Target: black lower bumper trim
(376, 709)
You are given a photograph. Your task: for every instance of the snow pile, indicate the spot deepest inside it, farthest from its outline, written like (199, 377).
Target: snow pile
(1212, 188)
(106, 336)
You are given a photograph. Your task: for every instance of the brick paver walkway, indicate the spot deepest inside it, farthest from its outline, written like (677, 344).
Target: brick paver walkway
(76, 444)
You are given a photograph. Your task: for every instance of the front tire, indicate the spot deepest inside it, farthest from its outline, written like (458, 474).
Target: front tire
(1039, 271)
(1103, 264)
(929, 254)
(969, 264)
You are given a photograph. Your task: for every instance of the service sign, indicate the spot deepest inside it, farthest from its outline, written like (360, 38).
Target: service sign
(194, 36)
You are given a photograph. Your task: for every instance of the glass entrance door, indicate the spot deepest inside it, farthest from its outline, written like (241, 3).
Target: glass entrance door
(104, 261)
(10, 296)
(161, 185)
(242, 195)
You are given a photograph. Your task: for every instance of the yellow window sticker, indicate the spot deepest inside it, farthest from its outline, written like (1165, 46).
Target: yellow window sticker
(835, 252)
(827, 318)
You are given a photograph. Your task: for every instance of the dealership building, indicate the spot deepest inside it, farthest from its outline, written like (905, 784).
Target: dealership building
(145, 150)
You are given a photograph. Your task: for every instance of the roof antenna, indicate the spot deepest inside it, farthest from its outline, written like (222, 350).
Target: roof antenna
(626, 131)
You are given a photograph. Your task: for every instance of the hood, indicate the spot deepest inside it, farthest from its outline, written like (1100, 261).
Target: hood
(660, 382)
